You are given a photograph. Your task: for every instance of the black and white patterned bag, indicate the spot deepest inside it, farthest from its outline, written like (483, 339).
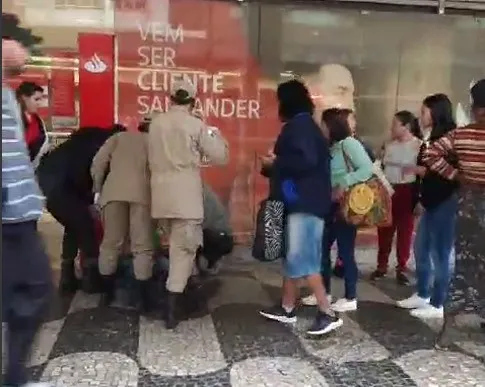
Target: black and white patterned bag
(269, 243)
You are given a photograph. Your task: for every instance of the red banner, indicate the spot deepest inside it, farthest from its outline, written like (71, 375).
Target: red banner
(96, 80)
(63, 93)
(205, 43)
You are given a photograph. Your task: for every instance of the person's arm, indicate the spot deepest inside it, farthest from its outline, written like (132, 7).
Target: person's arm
(360, 160)
(435, 156)
(213, 146)
(100, 164)
(296, 153)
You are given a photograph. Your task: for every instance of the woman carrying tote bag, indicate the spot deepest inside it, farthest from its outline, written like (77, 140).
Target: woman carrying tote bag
(344, 150)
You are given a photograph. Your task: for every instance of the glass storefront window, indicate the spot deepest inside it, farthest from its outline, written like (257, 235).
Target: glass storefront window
(237, 52)
(387, 61)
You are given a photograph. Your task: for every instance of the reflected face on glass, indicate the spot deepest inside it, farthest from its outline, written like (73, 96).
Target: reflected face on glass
(398, 130)
(425, 119)
(33, 102)
(331, 87)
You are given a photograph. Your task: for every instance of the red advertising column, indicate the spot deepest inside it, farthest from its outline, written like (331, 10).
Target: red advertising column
(96, 80)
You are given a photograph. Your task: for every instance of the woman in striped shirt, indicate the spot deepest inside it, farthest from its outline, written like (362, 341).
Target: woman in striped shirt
(467, 290)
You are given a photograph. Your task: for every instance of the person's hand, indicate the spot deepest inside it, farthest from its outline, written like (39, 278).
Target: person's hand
(14, 55)
(418, 210)
(414, 170)
(337, 194)
(213, 131)
(268, 159)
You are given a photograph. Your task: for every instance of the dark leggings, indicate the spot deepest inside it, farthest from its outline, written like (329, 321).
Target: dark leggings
(79, 226)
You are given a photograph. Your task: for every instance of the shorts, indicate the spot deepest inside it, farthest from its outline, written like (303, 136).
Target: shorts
(304, 235)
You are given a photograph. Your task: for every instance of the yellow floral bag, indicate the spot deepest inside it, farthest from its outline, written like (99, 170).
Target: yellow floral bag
(366, 204)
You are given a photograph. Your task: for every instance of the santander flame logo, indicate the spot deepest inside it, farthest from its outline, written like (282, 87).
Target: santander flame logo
(95, 65)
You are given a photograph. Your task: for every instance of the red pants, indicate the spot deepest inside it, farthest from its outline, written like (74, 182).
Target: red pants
(403, 223)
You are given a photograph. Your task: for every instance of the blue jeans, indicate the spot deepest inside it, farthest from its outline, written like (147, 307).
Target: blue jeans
(434, 249)
(304, 245)
(345, 234)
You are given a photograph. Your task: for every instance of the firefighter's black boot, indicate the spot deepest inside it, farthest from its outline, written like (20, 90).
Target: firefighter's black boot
(171, 310)
(108, 290)
(145, 296)
(68, 282)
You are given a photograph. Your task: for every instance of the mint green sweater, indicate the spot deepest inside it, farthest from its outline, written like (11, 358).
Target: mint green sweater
(360, 163)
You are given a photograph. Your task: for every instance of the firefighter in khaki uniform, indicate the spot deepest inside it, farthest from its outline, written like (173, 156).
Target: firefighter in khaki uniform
(121, 182)
(178, 143)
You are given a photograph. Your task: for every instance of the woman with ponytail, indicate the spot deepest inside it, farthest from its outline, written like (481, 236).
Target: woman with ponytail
(399, 160)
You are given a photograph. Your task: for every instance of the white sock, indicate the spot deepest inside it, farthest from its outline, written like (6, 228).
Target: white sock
(288, 309)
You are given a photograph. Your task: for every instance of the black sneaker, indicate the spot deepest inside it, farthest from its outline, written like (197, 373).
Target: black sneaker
(278, 313)
(377, 275)
(401, 278)
(323, 324)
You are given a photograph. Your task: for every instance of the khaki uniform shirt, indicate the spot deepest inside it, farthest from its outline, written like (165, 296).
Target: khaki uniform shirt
(120, 169)
(178, 145)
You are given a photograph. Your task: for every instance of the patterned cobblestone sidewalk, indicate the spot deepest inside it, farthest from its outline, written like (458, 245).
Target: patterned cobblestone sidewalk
(228, 344)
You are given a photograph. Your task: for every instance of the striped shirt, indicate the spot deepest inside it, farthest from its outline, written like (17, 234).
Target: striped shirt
(21, 197)
(468, 144)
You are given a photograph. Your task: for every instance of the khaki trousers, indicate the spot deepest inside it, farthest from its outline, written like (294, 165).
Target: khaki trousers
(122, 220)
(185, 237)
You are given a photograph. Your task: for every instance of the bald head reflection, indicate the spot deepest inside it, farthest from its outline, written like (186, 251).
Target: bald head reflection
(332, 87)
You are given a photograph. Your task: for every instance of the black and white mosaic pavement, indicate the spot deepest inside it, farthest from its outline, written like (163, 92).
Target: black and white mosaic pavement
(228, 344)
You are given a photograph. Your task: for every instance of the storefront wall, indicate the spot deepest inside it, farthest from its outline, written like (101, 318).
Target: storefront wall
(236, 53)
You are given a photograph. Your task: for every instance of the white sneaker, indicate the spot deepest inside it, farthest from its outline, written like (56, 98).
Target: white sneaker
(344, 305)
(413, 302)
(311, 300)
(428, 312)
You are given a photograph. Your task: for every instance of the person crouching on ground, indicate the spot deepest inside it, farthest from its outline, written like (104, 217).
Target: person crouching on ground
(178, 144)
(65, 179)
(300, 166)
(121, 182)
(217, 233)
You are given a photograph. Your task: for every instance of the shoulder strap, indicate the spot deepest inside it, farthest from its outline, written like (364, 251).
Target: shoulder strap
(347, 160)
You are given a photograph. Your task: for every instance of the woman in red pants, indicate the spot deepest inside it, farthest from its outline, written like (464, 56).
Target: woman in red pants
(399, 158)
